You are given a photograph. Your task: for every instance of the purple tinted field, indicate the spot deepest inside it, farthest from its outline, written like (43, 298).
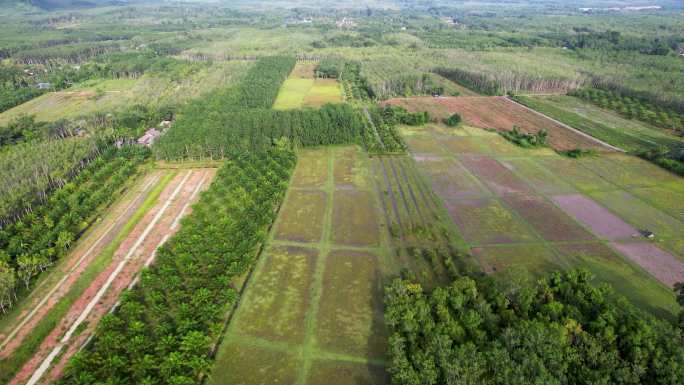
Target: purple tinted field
(601, 221)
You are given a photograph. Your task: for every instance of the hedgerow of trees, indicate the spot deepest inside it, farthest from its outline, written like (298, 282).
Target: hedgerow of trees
(164, 328)
(380, 135)
(561, 330)
(42, 236)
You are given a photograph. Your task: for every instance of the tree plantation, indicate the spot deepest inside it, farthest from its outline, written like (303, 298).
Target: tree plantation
(393, 192)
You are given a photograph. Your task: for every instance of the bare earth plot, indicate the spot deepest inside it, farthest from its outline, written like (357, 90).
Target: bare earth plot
(499, 113)
(313, 305)
(133, 251)
(543, 211)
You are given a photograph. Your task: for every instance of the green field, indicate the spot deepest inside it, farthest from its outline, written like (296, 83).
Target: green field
(107, 95)
(629, 135)
(302, 90)
(314, 302)
(527, 230)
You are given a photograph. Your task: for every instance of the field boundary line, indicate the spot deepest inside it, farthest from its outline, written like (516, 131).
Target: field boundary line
(44, 366)
(45, 298)
(584, 134)
(309, 343)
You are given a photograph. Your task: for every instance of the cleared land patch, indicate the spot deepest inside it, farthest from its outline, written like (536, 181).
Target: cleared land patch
(302, 217)
(354, 219)
(542, 215)
(315, 305)
(498, 113)
(301, 89)
(350, 318)
(281, 291)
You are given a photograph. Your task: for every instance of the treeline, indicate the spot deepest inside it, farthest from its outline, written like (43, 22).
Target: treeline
(70, 53)
(380, 135)
(164, 328)
(206, 132)
(241, 119)
(560, 330)
(634, 108)
(407, 85)
(508, 82)
(355, 86)
(29, 171)
(32, 244)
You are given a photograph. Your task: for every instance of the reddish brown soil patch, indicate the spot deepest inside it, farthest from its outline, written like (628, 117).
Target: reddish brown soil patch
(601, 221)
(497, 177)
(450, 180)
(547, 220)
(160, 222)
(661, 264)
(500, 114)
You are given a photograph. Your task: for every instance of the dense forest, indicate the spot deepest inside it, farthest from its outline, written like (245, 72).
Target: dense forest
(560, 330)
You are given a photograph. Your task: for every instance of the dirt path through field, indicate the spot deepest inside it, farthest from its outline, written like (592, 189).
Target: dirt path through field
(98, 299)
(80, 259)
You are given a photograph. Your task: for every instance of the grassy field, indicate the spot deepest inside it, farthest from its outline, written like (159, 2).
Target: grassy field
(302, 90)
(630, 135)
(107, 95)
(314, 302)
(518, 207)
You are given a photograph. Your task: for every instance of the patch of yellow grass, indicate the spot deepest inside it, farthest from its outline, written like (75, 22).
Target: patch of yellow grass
(324, 91)
(292, 93)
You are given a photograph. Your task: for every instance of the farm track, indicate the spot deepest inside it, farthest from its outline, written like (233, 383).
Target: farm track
(81, 258)
(614, 148)
(135, 251)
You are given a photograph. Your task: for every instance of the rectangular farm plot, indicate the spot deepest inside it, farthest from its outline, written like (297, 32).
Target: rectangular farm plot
(463, 145)
(661, 264)
(486, 221)
(355, 220)
(348, 170)
(276, 301)
(312, 169)
(669, 200)
(450, 179)
(350, 318)
(323, 91)
(613, 171)
(602, 222)
(424, 144)
(346, 373)
(242, 364)
(301, 219)
(292, 93)
(497, 177)
(572, 171)
(641, 214)
(549, 221)
(501, 114)
(538, 177)
(608, 266)
(537, 259)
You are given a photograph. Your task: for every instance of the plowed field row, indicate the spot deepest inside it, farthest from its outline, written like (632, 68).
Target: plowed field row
(132, 243)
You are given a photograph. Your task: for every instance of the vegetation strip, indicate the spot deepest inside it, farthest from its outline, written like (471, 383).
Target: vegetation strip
(85, 255)
(46, 325)
(91, 305)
